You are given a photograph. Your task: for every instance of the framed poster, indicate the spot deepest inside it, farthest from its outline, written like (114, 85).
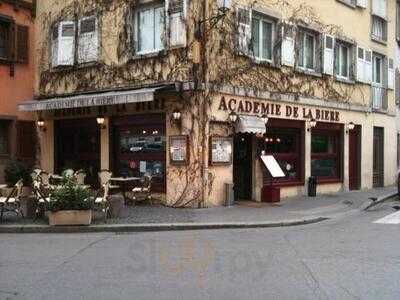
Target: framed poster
(221, 150)
(178, 149)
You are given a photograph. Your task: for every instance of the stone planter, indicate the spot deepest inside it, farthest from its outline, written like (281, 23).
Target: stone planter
(70, 217)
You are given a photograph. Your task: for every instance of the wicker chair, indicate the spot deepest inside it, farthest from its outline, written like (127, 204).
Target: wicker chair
(143, 192)
(80, 177)
(101, 200)
(12, 203)
(42, 194)
(104, 177)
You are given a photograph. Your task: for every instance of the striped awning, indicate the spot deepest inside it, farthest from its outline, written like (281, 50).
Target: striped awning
(89, 100)
(250, 124)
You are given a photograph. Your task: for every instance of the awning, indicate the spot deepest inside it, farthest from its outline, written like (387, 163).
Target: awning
(250, 124)
(88, 100)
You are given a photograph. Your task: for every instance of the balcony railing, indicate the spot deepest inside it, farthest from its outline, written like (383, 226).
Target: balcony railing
(379, 98)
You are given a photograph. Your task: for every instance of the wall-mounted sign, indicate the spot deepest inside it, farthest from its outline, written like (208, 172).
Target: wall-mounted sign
(221, 150)
(179, 152)
(256, 107)
(272, 166)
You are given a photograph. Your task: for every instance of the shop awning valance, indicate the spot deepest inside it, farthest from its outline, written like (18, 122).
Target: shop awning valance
(100, 99)
(250, 124)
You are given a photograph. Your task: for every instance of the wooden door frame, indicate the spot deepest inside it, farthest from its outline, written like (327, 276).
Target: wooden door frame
(381, 131)
(358, 131)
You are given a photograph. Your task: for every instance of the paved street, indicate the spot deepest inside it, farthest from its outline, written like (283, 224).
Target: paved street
(346, 258)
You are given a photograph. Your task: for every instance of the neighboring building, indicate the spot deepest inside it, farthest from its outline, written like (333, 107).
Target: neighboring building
(165, 79)
(17, 130)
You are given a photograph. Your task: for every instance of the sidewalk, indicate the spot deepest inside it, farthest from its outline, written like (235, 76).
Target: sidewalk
(289, 212)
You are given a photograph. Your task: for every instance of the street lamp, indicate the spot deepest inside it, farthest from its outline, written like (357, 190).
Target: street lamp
(350, 127)
(265, 119)
(233, 117)
(311, 124)
(100, 121)
(176, 115)
(41, 125)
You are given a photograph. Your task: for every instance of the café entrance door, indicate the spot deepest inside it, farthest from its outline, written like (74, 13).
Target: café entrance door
(242, 166)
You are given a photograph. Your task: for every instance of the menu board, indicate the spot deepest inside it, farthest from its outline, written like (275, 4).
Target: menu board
(221, 150)
(272, 166)
(179, 149)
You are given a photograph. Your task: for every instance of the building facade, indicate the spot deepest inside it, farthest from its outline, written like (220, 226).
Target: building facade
(200, 95)
(17, 129)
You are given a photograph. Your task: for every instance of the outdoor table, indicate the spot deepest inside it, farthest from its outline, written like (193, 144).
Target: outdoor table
(123, 183)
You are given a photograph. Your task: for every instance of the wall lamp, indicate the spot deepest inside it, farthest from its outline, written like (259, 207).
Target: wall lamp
(311, 124)
(233, 117)
(177, 117)
(41, 125)
(101, 122)
(224, 7)
(265, 119)
(350, 127)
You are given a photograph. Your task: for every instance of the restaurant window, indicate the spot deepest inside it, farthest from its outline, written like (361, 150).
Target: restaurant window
(141, 149)
(263, 30)
(325, 154)
(150, 23)
(4, 138)
(284, 140)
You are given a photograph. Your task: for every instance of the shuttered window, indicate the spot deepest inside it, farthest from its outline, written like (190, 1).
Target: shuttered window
(379, 28)
(26, 141)
(150, 29)
(6, 39)
(4, 137)
(342, 61)
(262, 37)
(306, 50)
(22, 43)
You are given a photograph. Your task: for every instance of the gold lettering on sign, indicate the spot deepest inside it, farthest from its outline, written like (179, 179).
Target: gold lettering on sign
(272, 109)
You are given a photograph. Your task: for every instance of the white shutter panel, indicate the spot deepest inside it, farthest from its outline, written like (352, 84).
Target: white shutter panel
(288, 56)
(360, 74)
(66, 44)
(368, 66)
(177, 25)
(54, 45)
(383, 8)
(88, 40)
(362, 3)
(379, 8)
(391, 75)
(329, 53)
(243, 16)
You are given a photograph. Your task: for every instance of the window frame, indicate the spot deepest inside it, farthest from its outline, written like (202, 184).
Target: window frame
(384, 37)
(136, 20)
(5, 125)
(338, 56)
(7, 22)
(315, 36)
(263, 18)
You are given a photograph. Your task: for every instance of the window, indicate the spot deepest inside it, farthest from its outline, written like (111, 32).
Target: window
(342, 61)
(325, 154)
(351, 3)
(377, 74)
(378, 89)
(4, 138)
(150, 29)
(379, 28)
(4, 40)
(262, 38)
(306, 50)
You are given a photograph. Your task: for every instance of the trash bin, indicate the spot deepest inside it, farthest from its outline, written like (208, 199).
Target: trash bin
(270, 194)
(229, 194)
(312, 186)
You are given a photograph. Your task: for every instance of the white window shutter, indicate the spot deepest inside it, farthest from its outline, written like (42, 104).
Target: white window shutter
(243, 16)
(379, 8)
(329, 54)
(360, 74)
(362, 3)
(88, 40)
(176, 11)
(368, 66)
(66, 44)
(54, 45)
(288, 57)
(391, 75)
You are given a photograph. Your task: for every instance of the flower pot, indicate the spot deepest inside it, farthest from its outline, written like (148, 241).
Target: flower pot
(70, 217)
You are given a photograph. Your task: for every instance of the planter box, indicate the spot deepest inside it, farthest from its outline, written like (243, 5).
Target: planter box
(70, 217)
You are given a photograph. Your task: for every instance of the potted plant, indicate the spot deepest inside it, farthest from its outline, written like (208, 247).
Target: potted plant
(14, 171)
(70, 204)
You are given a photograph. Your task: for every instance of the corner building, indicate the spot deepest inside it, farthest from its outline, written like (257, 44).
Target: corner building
(154, 87)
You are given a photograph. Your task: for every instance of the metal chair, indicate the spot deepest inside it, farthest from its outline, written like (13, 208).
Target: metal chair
(101, 200)
(80, 177)
(143, 192)
(12, 203)
(42, 196)
(104, 177)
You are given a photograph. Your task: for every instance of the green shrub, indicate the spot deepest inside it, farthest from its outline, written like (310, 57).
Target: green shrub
(70, 196)
(16, 170)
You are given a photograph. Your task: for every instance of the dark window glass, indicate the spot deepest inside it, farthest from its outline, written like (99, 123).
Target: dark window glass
(4, 29)
(88, 25)
(4, 138)
(325, 154)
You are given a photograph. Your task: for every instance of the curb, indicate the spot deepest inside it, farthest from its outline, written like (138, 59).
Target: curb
(366, 206)
(121, 228)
